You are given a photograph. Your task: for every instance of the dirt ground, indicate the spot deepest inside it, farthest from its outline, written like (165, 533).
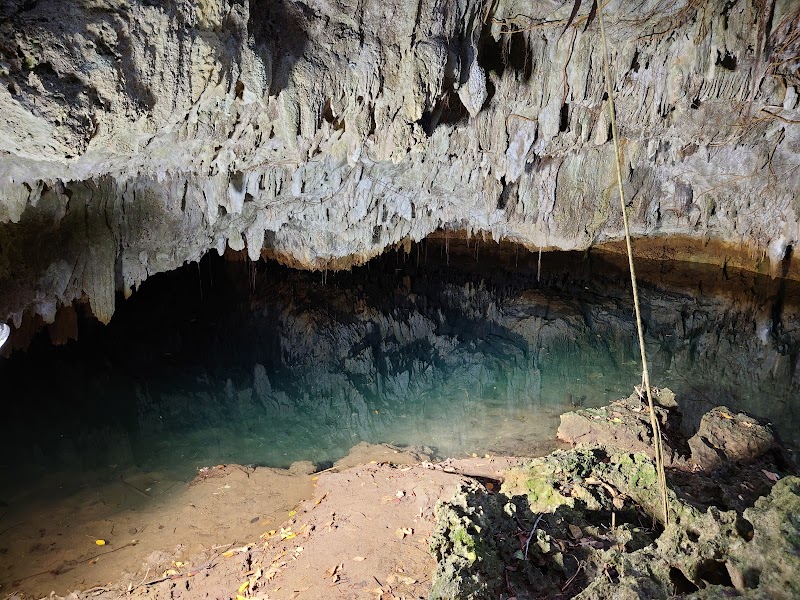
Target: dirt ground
(358, 530)
(146, 523)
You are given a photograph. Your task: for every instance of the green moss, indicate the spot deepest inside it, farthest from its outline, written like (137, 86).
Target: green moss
(30, 61)
(643, 473)
(542, 495)
(464, 544)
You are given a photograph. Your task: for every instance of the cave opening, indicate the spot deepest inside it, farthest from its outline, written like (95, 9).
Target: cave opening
(450, 347)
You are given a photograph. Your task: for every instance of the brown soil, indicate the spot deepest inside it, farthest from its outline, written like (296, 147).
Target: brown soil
(148, 525)
(361, 532)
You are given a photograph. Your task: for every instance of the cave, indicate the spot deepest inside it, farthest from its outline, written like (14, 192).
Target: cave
(381, 299)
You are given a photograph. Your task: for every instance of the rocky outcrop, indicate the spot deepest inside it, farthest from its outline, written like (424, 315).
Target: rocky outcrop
(569, 525)
(138, 135)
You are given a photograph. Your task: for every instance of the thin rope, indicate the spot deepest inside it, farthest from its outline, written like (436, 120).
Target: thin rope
(662, 479)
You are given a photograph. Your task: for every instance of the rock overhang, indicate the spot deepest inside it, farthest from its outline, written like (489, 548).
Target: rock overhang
(140, 136)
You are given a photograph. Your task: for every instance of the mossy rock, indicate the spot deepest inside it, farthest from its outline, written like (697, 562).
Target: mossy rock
(463, 543)
(701, 554)
(543, 479)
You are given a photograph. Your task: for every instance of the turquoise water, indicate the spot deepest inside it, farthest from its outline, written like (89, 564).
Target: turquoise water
(257, 364)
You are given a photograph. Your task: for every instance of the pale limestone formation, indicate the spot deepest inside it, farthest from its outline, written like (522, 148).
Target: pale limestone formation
(137, 135)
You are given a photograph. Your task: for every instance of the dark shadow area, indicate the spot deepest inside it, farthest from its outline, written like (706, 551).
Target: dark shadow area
(278, 30)
(449, 110)
(509, 52)
(726, 61)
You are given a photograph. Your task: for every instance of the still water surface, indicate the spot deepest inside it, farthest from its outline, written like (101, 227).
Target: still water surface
(257, 364)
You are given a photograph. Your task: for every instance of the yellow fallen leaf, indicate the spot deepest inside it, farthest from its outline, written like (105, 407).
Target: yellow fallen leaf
(240, 597)
(289, 536)
(474, 455)
(243, 587)
(725, 415)
(178, 563)
(616, 420)
(228, 553)
(100, 542)
(292, 513)
(169, 573)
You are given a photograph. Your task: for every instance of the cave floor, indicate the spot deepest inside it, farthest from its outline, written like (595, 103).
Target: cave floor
(357, 530)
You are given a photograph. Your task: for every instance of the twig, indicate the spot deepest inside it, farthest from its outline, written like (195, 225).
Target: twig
(578, 570)
(146, 573)
(780, 118)
(530, 537)
(95, 589)
(12, 526)
(71, 563)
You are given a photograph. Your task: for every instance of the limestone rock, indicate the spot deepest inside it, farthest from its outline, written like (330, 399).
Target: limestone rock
(488, 544)
(725, 435)
(623, 424)
(138, 135)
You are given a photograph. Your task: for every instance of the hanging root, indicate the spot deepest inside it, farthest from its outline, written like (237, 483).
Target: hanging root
(659, 453)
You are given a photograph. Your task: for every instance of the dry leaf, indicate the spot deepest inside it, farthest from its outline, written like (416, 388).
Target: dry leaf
(770, 475)
(402, 532)
(575, 531)
(359, 558)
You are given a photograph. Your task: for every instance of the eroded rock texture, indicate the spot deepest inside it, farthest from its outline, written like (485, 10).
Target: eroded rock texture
(137, 135)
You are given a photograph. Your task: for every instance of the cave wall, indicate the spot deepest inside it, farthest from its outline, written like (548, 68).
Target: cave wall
(140, 134)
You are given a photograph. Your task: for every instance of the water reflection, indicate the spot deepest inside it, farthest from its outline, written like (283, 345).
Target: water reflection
(260, 364)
